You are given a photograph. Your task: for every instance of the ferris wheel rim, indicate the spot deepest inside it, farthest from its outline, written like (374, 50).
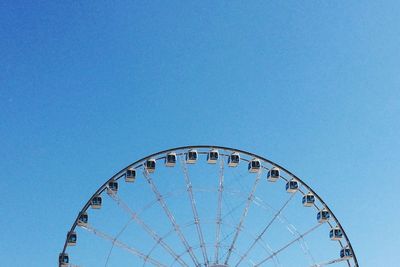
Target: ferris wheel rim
(121, 173)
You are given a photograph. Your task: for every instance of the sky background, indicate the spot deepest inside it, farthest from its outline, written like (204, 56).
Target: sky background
(87, 88)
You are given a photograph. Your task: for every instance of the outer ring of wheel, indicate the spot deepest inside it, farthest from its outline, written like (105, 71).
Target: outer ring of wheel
(121, 173)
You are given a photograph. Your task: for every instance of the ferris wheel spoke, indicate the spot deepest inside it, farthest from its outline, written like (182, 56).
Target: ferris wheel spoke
(303, 244)
(263, 243)
(235, 251)
(146, 228)
(276, 215)
(243, 217)
(171, 218)
(290, 227)
(194, 210)
(231, 209)
(288, 244)
(117, 236)
(122, 245)
(219, 212)
(222, 255)
(329, 262)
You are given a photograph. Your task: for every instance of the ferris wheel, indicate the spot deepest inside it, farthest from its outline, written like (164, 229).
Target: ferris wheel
(206, 206)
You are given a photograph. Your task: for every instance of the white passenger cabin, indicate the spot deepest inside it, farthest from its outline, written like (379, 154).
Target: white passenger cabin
(191, 156)
(130, 175)
(254, 165)
(308, 200)
(83, 219)
(212, 156)
(95, 203)
(323, 216)
(71, 238)
(233, 159)
(112, 187)
(335, 233)
(63, 260)
(150, 165)
(292, 186)
(170, 159)
(345, 253)
(273, 174)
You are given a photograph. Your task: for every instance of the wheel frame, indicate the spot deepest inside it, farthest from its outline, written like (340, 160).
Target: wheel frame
(162, 154)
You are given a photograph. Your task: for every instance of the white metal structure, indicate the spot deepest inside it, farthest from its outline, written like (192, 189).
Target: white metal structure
(215, 213)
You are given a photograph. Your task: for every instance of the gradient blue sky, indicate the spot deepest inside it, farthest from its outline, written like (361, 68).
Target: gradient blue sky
(88, 87)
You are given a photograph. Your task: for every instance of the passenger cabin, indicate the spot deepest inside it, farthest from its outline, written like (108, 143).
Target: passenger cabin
(254, 165)
(83, 219)
(308, 200)
(150, 165)
(191, 156)
(112, 187)
(212, 156)
(233, 159)
(345, 253)
(63, 259)
(71, 239)
(335, 233)
(96, 202)
(292, 186)
(273, 174)
(323, 216)
(130, 175)
(170, 159)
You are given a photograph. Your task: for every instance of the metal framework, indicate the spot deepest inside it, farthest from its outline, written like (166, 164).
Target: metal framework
(222, 252)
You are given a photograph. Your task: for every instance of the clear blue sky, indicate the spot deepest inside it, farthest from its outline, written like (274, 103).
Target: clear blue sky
(86, 88)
